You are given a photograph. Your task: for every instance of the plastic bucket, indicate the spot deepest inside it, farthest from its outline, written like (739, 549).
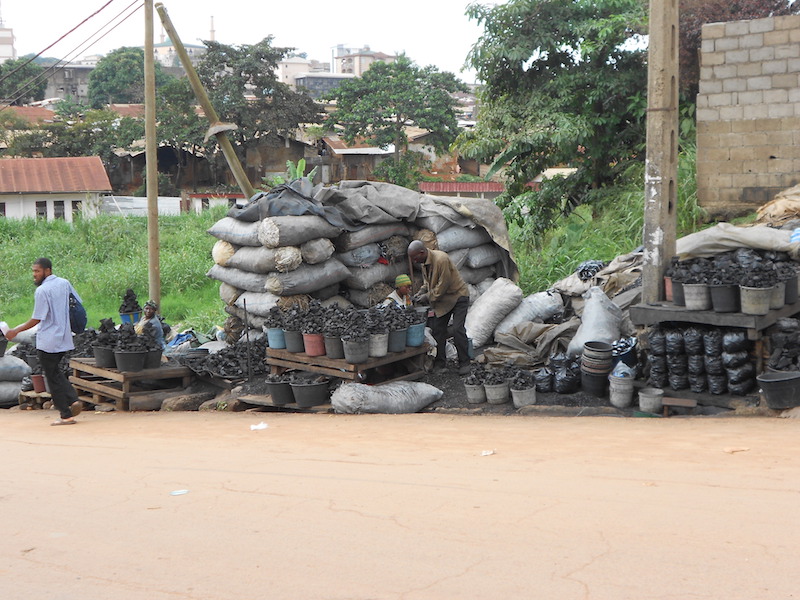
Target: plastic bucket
(677, 293)
(130, 361)
(397, 340)
(294, 341)
(791, 290)
(378, 345)
(781, 389)
(476, 394)
(725, 298)
(496, 393)
(104, 357)
(38, 383)
(314, 344)
(650, 400)
(697, 296)
(356, 351)
(522, 398)
(755, 301)
(778, 296)
(153, 359)
(275, 338)
(594, 383)
(281, 392)
(620, 391)
(415, 335)
(310, 394)
(334, 347)
(131, 317)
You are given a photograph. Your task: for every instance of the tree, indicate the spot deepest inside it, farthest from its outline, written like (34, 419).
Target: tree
(565, 85)
(21, 84)
(696, 13)
(389, 97)
(179, 125)
(119, 78)
(244, 90)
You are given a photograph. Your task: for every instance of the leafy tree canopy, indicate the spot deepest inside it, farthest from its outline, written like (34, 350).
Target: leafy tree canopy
(19, 87)
(244, 90)
(565, 85)
(119, 78)
(696, 13)
(390, 96)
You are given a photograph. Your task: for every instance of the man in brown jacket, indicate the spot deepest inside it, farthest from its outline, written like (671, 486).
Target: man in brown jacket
(448, 296)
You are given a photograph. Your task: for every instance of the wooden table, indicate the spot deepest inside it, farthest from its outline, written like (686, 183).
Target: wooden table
(282, 360)
(120, 386)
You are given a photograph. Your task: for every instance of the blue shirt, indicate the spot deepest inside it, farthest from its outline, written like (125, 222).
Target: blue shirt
(51, 308)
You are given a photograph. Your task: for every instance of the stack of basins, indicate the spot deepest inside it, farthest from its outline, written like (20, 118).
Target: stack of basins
(596, 362)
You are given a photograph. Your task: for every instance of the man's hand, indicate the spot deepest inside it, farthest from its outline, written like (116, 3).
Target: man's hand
(421, 299)
(11, 333)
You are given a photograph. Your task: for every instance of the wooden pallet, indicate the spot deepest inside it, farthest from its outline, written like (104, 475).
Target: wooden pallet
(111, 385)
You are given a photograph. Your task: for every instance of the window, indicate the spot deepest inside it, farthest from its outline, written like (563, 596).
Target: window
(41, 210)
(58, 209)
(2, 209)
(67, 73)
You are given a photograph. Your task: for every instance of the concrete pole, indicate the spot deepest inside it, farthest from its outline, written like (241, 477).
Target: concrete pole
(217, 128)
(661, 169)
(151, 157)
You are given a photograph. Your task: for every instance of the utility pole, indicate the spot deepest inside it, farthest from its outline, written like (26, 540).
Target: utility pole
(151, 157)
(661, 167)
(216, 128)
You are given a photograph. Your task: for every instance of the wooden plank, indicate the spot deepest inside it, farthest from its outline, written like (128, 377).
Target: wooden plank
(97, 388)
(333, 372)
(87, 365)
(684, 402)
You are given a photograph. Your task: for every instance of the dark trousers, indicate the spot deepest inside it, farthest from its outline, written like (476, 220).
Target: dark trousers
(439, 330)
(60, 388)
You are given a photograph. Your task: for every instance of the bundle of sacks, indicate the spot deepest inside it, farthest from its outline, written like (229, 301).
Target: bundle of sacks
(347, 243)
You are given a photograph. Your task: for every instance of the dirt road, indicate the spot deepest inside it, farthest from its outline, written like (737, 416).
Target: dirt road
(397, 507)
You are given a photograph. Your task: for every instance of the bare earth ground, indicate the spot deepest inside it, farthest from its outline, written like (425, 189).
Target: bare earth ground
(423, 506)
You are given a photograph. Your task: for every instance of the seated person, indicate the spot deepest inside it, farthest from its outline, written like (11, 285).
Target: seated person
(151, 319)
(401, 296)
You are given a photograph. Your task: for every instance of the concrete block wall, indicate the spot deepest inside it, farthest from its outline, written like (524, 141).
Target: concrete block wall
(748, 113)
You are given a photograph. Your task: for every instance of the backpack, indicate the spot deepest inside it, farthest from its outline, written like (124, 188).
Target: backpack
(77, 315)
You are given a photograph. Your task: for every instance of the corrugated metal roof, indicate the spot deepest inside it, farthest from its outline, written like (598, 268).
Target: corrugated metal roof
(359, 146)
(128, 110)
(32, 114)
(52, 175)
(460, 186)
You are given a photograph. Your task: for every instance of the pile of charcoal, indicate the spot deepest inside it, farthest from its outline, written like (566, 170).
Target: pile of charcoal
(702, 359)
(744, 266)
(784, 340)
(235, 362)
(561, 375)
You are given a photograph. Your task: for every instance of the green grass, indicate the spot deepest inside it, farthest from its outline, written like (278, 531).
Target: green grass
(103, 257)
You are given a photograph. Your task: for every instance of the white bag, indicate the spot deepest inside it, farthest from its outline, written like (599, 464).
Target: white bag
(491, 308)
(316, 251)
(600, 321)
(389, 398)
(236, 232)
(541, 305)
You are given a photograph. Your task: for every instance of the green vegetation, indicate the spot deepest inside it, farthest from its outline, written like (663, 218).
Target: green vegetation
(103, 257)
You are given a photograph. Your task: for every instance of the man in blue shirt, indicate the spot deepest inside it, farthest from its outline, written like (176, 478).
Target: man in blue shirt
(54, 336)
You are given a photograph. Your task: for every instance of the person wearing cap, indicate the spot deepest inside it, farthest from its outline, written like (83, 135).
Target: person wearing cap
(151, 320)
(401, 296)
(445, 291)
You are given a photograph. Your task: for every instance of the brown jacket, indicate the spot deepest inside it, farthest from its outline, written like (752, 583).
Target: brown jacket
(442, 282)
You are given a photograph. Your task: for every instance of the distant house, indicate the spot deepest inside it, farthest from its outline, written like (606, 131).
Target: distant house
(52, 188)
(352, 161)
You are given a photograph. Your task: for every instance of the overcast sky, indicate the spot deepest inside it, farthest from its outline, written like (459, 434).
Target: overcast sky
(429, 31)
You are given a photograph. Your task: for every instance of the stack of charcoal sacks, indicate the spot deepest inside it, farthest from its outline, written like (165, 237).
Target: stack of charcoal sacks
(701, 359)
(784, 343)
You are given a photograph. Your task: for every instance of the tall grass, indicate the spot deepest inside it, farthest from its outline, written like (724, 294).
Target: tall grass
(602, 231)
(103, 257)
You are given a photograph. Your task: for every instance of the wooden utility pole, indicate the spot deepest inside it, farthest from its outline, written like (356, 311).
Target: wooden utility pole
(216, 128)
(151, 157)
(661, 168)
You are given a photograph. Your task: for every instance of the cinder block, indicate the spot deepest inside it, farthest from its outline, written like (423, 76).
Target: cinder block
(794, 36)
(708, 46)
(735, 84)
(756, 111)
(712, 31)
(716, 154)
(725, 71)
(712, 59)
(706, 73)
(707, 114)
(766, 125)
(743, 153)
(793, 65)
(729, 196)
(785, 81)
(778, 111)
(754, 166)
(779, 140)
(776, 96)
(790, 124)
(762, 25)
(784, 22)
(730, 167)
(756, 97)
(737, 56)
(720, 100)
(707, 195)
(779, 165)
(756, 138)
(787, 51)
(713, 86)
(761, 54)
(711, 128)
(726, 43)
(759, 83)
(731, 113)
(751, 40)
(748, 70)
(776, 38)
(737, 28)
(743, 126)
(702, 101)
(742, 180)
(774, 67)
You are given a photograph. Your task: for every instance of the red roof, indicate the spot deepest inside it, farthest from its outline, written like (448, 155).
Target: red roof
(53, 175)
(128, 110)
(432, 187)
(32, 114)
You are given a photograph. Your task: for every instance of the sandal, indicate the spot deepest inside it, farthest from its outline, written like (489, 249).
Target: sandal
(64, 422)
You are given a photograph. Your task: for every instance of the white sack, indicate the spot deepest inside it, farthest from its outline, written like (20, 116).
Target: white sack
(475, 276)
(491, 308)
(266, 260)
(326, 292)
(724, 237)
(228, 293)
(369, 235)
(485, 284)
(316, 251)
(222, 251)
(363, 256)
(252, 282)
(435, 223)
(541, 306)
(600, 321)
(294, 230)
(307, 278)
(484, 256)
(457, 237)
(257, 303)
(240, 233)
(13, 369)
(362, 279)
(389, 398)
(459, 257)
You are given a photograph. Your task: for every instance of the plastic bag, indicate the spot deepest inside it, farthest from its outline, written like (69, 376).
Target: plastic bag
(658, 379)
(657, 342)
(678, 382)
(743, 388)
(732, 360)
(389, 398)
(13, 369)
(712, 342)
(674, 342)
(623, 370)
(717, 384)
(678, 364)
(698, 383)
(696, 364)
(714, 365)
(658, 364)
(693, 340)
(734, 341)
(600, 321)
(566, 381)
(544, 380)
(741, 374)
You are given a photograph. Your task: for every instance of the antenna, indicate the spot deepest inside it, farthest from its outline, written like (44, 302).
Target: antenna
(1, 15)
